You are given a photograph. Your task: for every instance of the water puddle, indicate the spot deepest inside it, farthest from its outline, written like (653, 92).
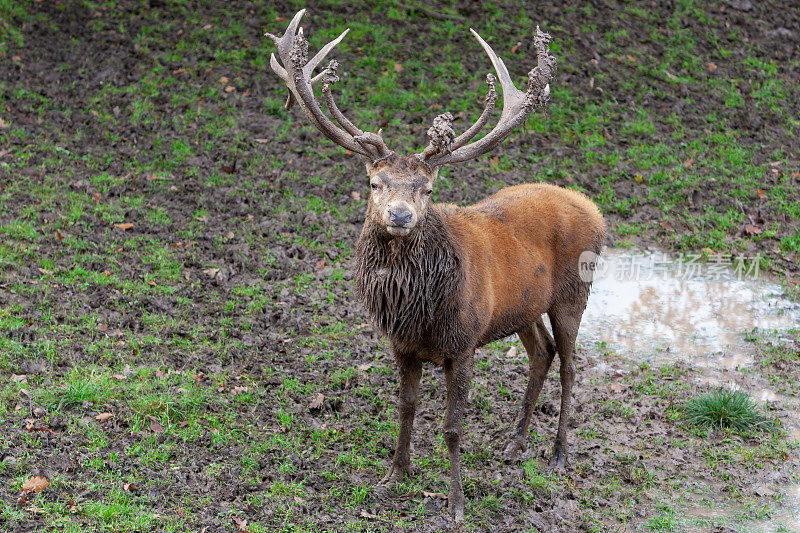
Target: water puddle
(662, 310)
(656, 309)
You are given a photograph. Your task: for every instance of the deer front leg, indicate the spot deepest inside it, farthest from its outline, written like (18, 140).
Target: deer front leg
(458, 374)
(410, 373)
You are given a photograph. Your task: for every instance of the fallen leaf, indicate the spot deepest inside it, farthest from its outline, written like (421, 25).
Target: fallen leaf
(512, 352)
(364, 367)
(45, 272)
(399, 68)
(752, 230)
(103, 417)
(638, 178)
(262, 141)
(712, 66)
(3, 124)
(239, 390)
(241, 525)
(440, 495)
(155, 427)
(19, 378)
(365, 514)
(128, 487)
(516, 47)
(223, 80)
(230, 89)
(102, 327)
(355, 195)
(494, 161)
(35, 484)
(124, 226)
(316, 403)
(761, 194)
(211, 272)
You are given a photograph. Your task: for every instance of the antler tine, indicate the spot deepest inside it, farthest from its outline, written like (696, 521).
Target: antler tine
(296, 73)
(517, 105)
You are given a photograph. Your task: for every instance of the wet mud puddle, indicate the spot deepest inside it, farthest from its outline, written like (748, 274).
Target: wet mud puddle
(657, 309)
(662, 310)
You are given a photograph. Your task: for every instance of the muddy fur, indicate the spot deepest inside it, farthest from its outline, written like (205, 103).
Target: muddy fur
(410, 286)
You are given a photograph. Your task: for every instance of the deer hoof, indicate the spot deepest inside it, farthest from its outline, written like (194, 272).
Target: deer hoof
(559, 460)
(394, 476)
(513, 450)
(455, 505)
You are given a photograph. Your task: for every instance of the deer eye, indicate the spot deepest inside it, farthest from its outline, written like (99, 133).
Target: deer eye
(429, 192)
(375, 186)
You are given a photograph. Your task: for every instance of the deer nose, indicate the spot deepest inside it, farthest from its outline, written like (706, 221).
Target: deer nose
(400, 217)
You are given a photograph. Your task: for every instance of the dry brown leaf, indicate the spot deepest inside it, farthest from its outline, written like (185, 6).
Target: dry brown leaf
(752, 230)
(155, 427)
(211, 272)
(19, 378)
(3, 124)
(102, 327)
(365, 514)
(512, 352)
(224, 80)
(239, 390)
(128, 487)
(103, 417)
(262, 141)
(712, 66)
(230, 89)
(316, 403)
(516, 47)
(439, 495)
(124, 226)
(398, 67)
(761, 194)
(241, 525)
(35, 484)
(364, 367)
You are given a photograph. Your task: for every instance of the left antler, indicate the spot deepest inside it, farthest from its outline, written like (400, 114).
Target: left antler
(296, 73)
(517, 105)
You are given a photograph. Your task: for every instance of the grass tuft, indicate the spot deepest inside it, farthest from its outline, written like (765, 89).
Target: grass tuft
(726, 409)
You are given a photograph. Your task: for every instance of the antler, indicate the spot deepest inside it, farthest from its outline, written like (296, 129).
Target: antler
(517, 106)
(296, 73)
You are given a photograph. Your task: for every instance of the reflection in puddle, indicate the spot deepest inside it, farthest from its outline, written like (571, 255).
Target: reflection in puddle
(666, 310)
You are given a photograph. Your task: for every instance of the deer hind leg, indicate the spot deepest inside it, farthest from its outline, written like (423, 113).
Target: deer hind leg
(565, 320)
(541, 349)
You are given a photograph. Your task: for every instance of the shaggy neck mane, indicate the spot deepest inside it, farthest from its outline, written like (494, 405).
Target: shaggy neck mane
(405, 284)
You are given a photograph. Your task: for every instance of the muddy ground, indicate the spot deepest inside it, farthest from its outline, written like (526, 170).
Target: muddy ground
(176, 252)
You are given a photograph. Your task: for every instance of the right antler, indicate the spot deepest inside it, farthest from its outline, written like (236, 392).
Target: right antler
(517, 106)
(296, 73)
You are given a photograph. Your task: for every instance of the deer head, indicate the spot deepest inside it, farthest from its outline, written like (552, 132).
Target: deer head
(401, 185)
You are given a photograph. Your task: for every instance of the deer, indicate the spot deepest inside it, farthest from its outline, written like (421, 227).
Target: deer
(440, 280)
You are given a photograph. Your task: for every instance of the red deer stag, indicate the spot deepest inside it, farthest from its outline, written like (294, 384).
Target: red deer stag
(441, 280)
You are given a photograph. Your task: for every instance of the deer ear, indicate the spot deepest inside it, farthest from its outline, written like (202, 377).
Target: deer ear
(434, 174)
